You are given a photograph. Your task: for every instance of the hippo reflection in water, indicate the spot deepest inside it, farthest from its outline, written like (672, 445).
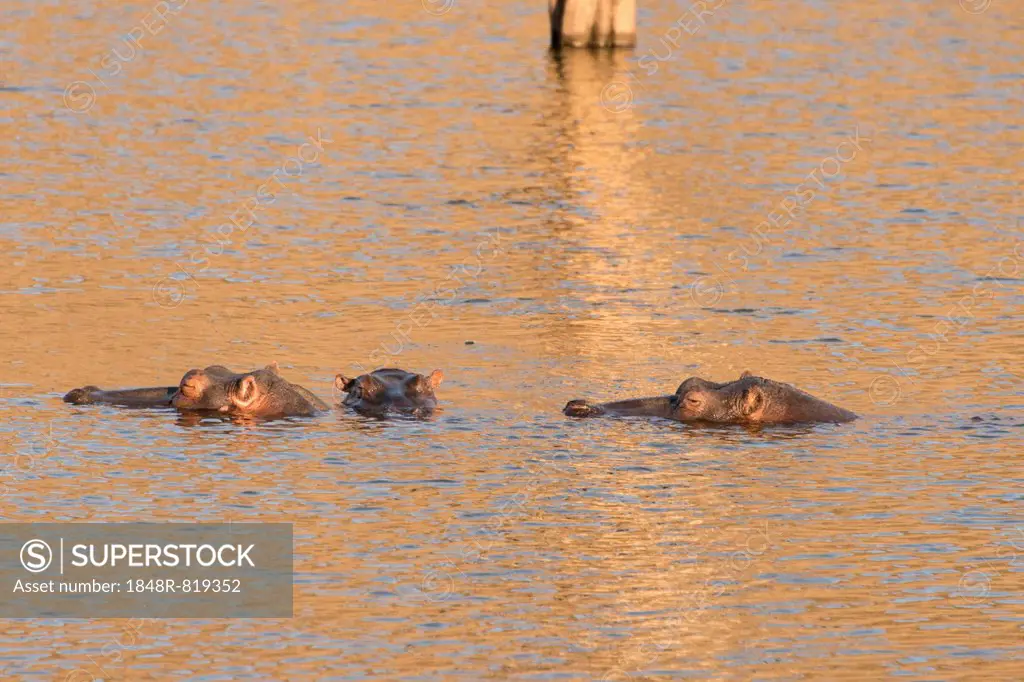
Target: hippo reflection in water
(265, 394)
(747, 400)
(390, 390)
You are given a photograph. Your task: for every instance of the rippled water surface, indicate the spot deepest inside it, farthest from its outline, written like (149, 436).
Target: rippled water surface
(598, 226)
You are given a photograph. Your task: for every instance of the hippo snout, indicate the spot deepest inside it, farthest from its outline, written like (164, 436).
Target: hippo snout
(580, 408)
(192, 384)
(80, 396)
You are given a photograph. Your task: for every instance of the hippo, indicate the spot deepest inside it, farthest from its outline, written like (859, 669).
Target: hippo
(261, 393)
(131, 397)
(390, 390)
(747, 400)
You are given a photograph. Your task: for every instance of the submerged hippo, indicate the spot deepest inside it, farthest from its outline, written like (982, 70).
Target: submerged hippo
(262, 393)
(386, 390)
(747, 400)
(129, 397)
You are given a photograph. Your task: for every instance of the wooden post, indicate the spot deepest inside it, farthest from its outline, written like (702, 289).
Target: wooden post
(592, 23)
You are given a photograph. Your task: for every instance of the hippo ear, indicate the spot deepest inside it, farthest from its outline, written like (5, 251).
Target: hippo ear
(753, 401)
(746, 373)
(273, 368)
(343, 383)
(425, 384)
(245, 392)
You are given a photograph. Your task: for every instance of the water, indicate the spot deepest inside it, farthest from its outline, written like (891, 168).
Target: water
(597, 230)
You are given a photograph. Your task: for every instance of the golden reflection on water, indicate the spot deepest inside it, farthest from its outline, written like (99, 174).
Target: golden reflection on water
(596, 230)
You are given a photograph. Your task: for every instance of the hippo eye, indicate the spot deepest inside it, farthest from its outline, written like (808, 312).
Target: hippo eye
(366, 391)
(693, 401)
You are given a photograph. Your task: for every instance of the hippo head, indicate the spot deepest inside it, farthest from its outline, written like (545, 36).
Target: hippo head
(261, 393)
(698, 399)
(751, 400)
(204, 389)
(386, 389)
